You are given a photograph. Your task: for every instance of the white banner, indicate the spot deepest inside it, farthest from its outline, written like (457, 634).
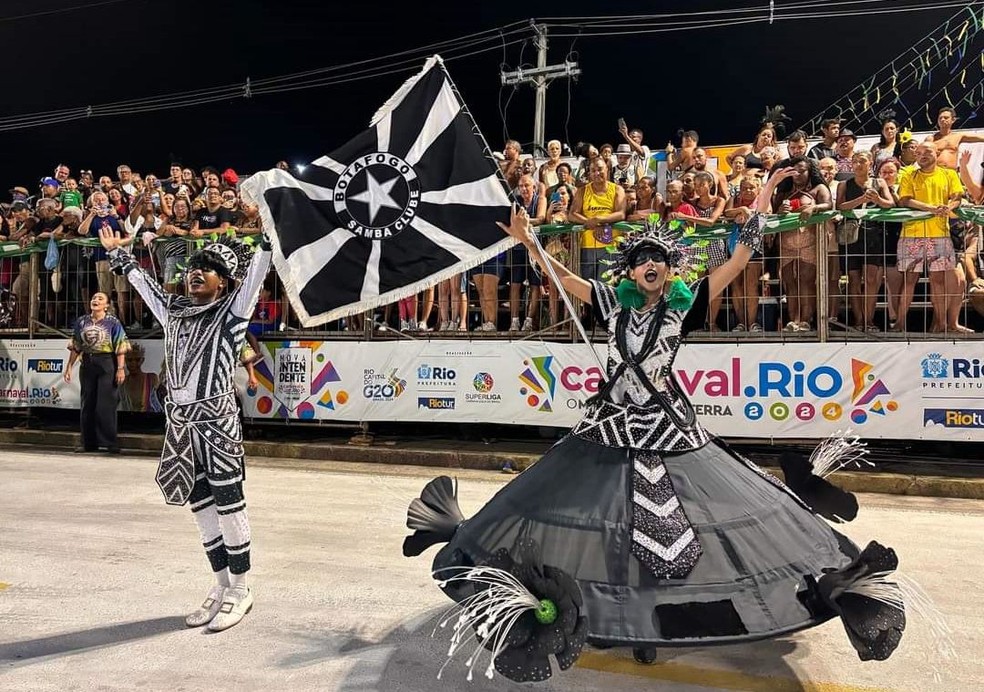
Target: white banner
(32, 374)
(923, 390)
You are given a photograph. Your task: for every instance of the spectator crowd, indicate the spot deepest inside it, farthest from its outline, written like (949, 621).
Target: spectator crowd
(867, 263)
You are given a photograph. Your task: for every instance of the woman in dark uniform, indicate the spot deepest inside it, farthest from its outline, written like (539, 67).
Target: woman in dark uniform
(100, 342)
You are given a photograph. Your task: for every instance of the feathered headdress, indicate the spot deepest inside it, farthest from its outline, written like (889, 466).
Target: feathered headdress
(665, 236)
(225, 253)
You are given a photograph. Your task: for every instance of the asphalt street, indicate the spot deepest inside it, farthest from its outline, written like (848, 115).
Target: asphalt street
(97, 573)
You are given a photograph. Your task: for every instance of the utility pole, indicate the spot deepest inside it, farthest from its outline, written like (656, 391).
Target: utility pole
(540, 77)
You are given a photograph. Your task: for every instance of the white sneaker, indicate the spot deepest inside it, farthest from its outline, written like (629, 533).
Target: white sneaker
(514, 325)
(445, 327)
(209, 607)
(235, 605)
(404, 326)
(487, 327)
(528, 324)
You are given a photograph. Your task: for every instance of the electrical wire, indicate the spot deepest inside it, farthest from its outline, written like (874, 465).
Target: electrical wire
(470, 39)
(571, 57)
(812, 4)
(62, 10)
(638, 28)
(209, 95)
(331, 81)
(457, 48)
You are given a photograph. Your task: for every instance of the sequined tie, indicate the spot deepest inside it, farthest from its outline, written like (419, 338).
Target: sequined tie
(662, 537)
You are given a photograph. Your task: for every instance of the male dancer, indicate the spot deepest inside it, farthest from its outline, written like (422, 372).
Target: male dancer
(202, 459)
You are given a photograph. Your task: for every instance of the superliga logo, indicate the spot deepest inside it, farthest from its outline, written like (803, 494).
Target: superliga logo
(483, 383)
(376, 197)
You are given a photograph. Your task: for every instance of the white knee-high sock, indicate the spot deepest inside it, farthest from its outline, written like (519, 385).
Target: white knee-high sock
(210, 529)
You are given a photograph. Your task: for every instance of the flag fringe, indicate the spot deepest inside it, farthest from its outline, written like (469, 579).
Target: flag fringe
(397, 98)
(390, 296)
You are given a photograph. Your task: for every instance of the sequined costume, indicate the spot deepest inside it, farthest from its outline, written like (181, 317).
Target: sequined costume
(202, 459)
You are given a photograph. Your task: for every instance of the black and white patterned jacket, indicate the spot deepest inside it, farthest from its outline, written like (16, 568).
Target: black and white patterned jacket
(640, 406)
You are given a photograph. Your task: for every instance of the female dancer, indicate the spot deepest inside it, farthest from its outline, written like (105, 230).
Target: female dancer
(652, 533)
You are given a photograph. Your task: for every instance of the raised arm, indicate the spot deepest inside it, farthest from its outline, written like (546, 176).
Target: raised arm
(249, 291)
(123, 263)
(520, 229)
(749, 237)
(967, 178)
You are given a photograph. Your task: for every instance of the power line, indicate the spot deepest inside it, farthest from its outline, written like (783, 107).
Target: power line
(638, 27)
(43, 13)
(210, 95)
(457, 48)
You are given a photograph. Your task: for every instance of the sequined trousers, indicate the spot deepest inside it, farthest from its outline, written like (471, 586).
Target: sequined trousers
(206, 432)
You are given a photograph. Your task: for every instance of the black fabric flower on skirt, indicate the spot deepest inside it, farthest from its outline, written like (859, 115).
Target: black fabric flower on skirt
(521, 611)
(869, 604)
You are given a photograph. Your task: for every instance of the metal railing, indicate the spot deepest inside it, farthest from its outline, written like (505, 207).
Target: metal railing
(788, 294)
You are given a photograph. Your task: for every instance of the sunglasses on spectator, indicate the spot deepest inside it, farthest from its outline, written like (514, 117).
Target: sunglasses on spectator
(646, 254)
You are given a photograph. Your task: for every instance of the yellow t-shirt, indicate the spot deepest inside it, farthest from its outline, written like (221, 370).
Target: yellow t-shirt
(929, 188)
(595, 204)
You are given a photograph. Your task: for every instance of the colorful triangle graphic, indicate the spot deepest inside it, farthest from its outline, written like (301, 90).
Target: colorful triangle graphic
(327, 374)
(877, 408)
(859, 369)
(326, 401)
(546, 408)
(876, 390)
(529, 379)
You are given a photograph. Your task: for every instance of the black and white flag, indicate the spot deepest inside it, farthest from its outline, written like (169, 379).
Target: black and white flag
(409, 202)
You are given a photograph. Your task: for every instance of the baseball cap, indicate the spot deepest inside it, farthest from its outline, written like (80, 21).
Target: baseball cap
(50, 181)
(19, 205)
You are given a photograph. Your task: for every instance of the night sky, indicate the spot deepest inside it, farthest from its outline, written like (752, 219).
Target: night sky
(716, 80)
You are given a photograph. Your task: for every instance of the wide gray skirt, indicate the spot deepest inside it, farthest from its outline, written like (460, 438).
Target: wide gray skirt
(759, 545)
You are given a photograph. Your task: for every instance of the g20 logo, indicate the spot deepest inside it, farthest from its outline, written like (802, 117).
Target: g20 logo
(382, 387)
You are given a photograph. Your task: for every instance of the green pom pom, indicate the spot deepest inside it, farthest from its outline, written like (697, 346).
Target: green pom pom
(629, 294)
(680, 297)
(675, 224)
(547, 612)
(653, 219)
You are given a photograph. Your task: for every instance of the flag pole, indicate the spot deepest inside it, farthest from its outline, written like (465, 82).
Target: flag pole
(536, 239)
(567, 300)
